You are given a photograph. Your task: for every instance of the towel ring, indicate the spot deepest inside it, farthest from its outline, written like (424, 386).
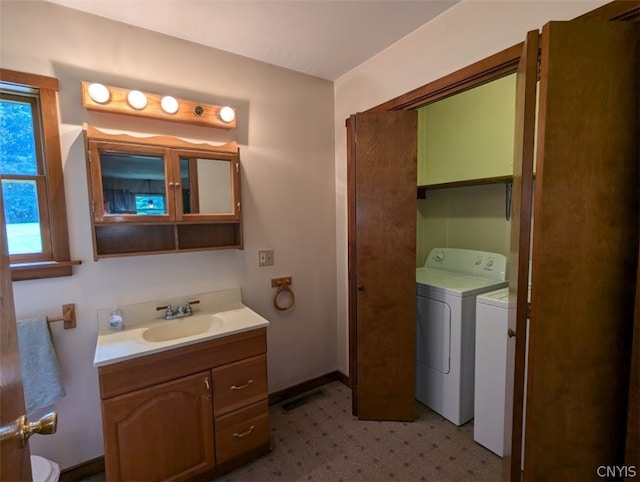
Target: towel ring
(283, 287)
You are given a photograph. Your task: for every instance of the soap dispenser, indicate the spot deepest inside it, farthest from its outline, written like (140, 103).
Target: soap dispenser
(116, 320)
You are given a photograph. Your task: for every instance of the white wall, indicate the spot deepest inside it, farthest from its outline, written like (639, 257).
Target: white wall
(470, 31)
(287, 157)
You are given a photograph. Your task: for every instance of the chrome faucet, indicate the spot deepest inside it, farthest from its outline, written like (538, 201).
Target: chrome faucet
(180, 311)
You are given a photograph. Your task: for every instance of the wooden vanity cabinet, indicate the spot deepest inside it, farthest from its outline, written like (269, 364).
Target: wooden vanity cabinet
(162, 432)
(188, 411)
(161, 194)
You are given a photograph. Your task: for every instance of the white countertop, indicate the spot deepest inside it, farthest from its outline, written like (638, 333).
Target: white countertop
(225, 307)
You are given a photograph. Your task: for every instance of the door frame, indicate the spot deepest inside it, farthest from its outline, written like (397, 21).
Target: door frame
(486, 70)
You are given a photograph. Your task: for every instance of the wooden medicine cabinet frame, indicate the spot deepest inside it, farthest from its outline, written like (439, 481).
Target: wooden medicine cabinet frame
(177, 226)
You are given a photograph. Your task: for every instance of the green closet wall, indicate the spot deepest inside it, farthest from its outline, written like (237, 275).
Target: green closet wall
(469, 135)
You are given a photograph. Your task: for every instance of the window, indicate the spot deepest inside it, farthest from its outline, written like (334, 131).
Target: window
(31, 177)
(23, 180)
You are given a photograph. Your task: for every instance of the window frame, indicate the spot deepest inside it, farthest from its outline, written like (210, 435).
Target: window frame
(39, 178)
(55, 261)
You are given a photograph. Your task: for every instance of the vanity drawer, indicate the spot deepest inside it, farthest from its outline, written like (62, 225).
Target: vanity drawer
(241, 432)
(239, 384)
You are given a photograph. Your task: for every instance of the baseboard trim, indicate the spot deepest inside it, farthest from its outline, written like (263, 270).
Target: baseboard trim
(83, 470)
(95, 466)
(344, 379)
(294, 390)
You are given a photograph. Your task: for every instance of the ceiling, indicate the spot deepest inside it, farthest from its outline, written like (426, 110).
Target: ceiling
(323, 38)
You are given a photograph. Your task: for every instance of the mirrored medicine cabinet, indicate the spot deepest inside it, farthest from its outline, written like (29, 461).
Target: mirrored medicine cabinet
(161, 194)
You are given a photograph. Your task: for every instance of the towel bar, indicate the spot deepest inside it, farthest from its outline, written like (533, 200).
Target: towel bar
(68, 316)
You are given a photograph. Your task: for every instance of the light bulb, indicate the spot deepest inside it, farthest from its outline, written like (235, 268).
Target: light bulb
(98, 93)
(227, 114)
(169, 104)
(137, 99)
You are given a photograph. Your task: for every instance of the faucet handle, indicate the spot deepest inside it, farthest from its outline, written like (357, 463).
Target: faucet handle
(187, 306)
(169, 313)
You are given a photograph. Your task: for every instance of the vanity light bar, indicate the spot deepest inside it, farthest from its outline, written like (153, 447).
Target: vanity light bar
(116, 100)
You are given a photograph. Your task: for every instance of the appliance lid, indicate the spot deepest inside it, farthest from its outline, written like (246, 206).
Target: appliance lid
(499, 298)
(482, 264)
(454, 282)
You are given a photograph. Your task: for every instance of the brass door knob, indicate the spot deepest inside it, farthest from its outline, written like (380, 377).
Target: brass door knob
(511, 332)
(24, 429)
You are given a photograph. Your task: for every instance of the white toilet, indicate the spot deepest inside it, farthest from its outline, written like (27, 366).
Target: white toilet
(44, 470)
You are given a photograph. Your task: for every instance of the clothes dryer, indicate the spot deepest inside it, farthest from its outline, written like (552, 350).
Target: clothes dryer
(446, 289)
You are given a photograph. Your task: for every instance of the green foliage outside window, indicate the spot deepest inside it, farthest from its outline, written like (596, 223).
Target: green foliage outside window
(18, 158)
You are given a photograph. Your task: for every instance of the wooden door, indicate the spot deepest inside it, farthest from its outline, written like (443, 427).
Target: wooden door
(164, 432)
(519, 253)
(15, 461)
(382, 169)
(584, 251)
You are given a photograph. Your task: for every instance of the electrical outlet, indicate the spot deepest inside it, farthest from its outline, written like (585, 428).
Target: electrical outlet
(265, 257)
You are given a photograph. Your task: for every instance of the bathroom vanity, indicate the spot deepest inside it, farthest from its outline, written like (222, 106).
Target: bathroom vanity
(176, 406)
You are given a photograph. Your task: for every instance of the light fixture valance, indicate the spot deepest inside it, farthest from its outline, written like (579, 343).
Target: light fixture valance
(117, 100)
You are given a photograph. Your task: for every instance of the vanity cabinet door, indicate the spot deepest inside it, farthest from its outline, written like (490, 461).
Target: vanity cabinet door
(163, 432)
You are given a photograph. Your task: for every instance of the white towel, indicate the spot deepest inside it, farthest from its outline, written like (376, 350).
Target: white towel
(41, 376)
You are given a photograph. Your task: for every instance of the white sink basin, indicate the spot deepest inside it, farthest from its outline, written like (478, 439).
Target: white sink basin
(219, 314)
(181, 328)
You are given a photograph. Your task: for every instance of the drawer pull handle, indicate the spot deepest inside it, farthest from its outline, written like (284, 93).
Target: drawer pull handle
(244, 434)
(206, 382)
(241, 387)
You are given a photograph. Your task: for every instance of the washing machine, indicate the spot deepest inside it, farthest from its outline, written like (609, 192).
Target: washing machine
(492, 317)
(446, 289)
(492, 323)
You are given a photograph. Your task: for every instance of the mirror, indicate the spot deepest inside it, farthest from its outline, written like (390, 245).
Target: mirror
(137, 185)
(206, 186)
(133, 184)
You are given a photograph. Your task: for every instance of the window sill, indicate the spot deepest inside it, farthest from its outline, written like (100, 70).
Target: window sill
(42, 269)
